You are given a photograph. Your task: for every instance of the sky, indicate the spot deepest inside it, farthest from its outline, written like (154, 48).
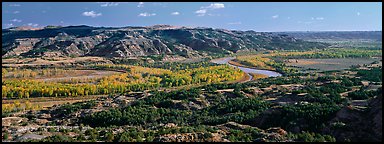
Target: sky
(257, 16)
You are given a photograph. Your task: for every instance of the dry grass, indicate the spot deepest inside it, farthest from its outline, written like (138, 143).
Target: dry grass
(47, 99)
(289, 53)
(83, 74)
(45, 102)
(243, 79)
(238, 64)
(305, 62)
(258, 61)
(71, 75)
(329, 64)
(256, 76)
(18, 62)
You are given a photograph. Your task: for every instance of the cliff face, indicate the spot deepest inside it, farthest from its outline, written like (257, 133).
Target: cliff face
(141, 41)
(359, 124)
(350, 123)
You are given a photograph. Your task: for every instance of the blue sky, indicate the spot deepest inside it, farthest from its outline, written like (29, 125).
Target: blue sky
(257, 16)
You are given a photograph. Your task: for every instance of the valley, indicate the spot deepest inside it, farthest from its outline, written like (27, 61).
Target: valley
(177, 84)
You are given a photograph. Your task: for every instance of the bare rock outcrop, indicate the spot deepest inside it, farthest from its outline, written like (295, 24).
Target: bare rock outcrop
(140, 41)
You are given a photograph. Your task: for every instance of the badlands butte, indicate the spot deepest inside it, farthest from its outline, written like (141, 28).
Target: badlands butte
(142, 41)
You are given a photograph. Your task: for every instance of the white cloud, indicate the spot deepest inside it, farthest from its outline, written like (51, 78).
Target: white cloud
(107, 4)
(9, 25)
(16, 12)
(91, 14)
(201, 12)
(175, 13)
(214, 6)
(141, 4)
(234, 23)
(214, 14)
(16, 20)
(146, 14)
(32, 24)
(358, 13)
(14, 5)
(317, 18)
(275, 16)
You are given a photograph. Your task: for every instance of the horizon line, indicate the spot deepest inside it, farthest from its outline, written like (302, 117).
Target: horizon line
(198, 27)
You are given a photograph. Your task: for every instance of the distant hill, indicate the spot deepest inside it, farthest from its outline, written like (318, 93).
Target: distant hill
(24, 28)
(141, 41)
(337, 35)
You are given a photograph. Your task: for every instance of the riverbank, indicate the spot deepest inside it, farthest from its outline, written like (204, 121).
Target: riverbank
(233, 62)
(246, 69)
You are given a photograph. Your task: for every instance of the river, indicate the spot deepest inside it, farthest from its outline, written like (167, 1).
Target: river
(246, 70)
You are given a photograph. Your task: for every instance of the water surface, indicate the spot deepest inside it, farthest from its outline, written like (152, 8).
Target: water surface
(247, 70)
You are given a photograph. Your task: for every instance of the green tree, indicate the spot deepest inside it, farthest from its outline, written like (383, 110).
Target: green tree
(93, 134)
(110, 137)
(81, 137)
(125, 137)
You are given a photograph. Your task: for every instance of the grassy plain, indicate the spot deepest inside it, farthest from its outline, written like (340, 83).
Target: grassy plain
(329, 64)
